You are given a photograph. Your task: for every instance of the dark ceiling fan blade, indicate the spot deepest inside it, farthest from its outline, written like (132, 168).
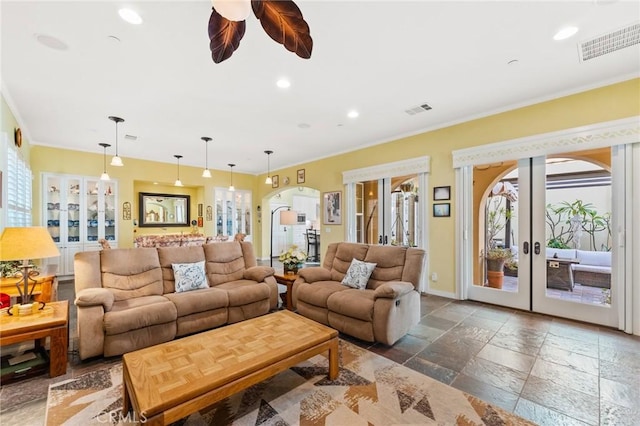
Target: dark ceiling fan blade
(225, 36)
(282, 20)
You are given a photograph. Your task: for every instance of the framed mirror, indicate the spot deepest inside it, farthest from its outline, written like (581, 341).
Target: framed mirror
(162, 210)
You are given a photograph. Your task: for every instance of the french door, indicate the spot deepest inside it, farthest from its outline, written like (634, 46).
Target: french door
(550, 218)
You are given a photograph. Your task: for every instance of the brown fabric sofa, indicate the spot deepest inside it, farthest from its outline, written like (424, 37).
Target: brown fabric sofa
(382, 312)
(126, 298)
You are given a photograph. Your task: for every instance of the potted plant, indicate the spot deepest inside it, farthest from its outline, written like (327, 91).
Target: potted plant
(292, 259)
(496, 258)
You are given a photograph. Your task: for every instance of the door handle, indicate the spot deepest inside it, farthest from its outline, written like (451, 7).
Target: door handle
(536, 248)
(380, 239)
(525, 247)
(385, 240)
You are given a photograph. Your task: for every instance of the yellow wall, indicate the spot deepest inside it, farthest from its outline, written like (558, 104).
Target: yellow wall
(604, 104)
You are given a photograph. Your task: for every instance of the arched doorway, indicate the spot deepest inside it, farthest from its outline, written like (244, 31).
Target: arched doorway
(305, 202)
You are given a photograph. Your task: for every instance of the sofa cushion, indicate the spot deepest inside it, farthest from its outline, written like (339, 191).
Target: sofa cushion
(390, 264)
(317, 293)
(594, 258)
(556, 253)
(189, 276)
(353, 303)
(343, 256)
(591, 268)
(225, 262)
(170, 255)
(244, 292)
(192, 302)
(139, 312)
(131, 273)
(358, 274)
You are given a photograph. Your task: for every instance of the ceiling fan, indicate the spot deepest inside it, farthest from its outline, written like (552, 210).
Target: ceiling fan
(281, 19)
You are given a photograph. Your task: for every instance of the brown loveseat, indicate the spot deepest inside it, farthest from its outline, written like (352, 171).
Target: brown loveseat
(126, 298)
(383, 312)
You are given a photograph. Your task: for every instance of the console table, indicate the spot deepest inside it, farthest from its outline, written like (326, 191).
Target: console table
(46, 285)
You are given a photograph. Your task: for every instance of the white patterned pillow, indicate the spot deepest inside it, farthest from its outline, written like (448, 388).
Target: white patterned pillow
(358, 274)
(189, 276)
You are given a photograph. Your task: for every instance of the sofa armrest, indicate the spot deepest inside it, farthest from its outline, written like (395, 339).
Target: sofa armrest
(258, 273)
(94, 297)
(314, 273)
(393, 290)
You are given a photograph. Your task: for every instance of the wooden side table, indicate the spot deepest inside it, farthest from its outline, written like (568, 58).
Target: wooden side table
(52, 322)
(46, 285)
(288, 280)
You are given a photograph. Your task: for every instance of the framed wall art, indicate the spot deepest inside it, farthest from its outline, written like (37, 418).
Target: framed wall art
(332, 214)
(441, 193)
(442, 210)
(161, 210)
(275, 181)
(300, 176)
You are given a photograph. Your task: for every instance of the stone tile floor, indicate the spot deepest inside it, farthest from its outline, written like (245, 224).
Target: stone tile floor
(549, 370)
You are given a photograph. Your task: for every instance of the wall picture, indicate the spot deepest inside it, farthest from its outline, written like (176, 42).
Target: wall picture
(442, 193)
(300, 176)
(332, 214)
(275, 181)
(441, 210)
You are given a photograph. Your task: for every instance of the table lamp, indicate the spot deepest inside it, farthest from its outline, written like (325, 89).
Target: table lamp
(31, 242)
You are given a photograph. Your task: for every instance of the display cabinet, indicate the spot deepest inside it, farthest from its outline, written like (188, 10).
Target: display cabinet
(78, 211)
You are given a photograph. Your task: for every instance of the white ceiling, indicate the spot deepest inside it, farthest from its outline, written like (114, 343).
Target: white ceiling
(379, 57)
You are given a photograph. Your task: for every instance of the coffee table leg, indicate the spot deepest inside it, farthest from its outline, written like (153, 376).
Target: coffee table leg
(126, 402)
(334, 363)
(58, 352)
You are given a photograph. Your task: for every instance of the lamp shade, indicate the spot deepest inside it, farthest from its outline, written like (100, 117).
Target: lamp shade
(31, 242)
(288, 217)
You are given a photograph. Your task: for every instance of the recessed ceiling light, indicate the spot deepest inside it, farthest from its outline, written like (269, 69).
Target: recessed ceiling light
(565, 33)
(113, 38)
(353, 114)
(304, 125)
(283, 83)
(513, 62)
(51, 42)
(130, 16)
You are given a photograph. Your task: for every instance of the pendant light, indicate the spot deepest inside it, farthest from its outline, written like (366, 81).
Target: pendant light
(231, 188)
(206, 173)
(104, 175)
(116, 161)
(178, 182)
(268, 180)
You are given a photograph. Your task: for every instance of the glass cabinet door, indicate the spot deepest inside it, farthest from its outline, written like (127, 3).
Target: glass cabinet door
(233, 212)
(108, 229)
(52, 202)
(73, 210)
(93, 214)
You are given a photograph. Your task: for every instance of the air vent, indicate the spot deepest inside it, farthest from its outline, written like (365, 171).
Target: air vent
(419, 108)
(608, 43)
(131, 137)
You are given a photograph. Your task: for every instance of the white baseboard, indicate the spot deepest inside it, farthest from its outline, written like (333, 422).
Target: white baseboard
(441, 293)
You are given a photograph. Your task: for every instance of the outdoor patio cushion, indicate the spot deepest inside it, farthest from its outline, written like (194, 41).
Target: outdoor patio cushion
(594, 258)
(592, 268)
(560, 253)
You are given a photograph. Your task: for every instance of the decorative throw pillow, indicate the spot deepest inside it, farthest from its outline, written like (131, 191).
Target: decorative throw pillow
(189, 276)
(358, 274)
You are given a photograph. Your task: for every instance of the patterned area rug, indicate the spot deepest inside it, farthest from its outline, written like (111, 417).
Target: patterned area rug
(370, 390)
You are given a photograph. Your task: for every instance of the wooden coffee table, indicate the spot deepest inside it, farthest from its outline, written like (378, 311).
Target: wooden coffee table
(52, 322)
(167, 382)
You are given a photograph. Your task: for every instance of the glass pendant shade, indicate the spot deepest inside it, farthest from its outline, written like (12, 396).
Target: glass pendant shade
(104, 175)
(206, 172)
(178, 182)
(233, 10)
(268, 180)
(116, 160)
(231, 187)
